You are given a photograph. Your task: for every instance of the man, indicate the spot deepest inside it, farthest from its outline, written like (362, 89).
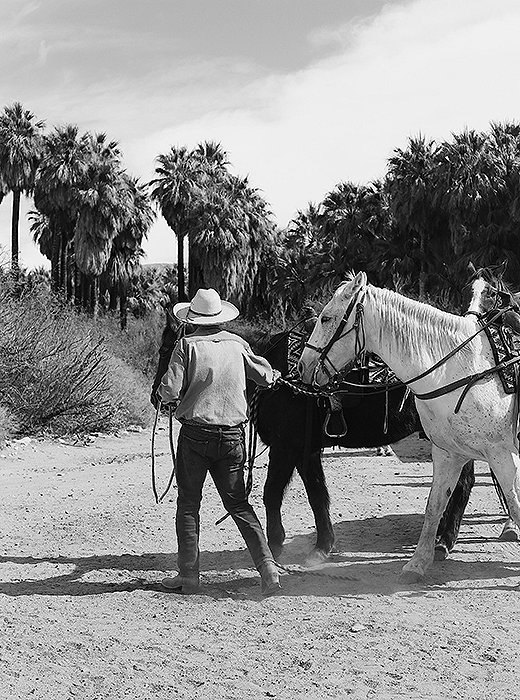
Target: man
(206, 380)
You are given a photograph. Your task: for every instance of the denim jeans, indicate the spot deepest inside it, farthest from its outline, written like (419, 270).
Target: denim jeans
(221, 451)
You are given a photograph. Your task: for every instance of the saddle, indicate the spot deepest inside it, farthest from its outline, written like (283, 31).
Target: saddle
(375, 374)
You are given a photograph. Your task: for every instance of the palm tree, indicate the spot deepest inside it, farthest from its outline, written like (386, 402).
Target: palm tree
(42, 233)
(412, 185)
(182, 175)
(477, 195)
(227, 239)
(21, 142)
(60, 174)
(103, 201)
(174, 190)
(126, 247)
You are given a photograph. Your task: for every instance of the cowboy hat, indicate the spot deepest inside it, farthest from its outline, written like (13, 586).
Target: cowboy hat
(205, 309)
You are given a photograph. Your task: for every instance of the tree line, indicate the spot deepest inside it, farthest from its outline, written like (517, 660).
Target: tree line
(438, 206)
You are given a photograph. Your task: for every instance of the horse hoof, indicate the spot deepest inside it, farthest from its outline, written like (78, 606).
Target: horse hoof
(315, 558)
(509, 534)
(410, 577)
(441, 552)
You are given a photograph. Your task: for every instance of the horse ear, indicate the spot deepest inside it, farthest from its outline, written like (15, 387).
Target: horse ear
(360, 280)
(472, 268)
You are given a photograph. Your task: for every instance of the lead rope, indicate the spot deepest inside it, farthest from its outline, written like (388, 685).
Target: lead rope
(159, 499)
(154, 487)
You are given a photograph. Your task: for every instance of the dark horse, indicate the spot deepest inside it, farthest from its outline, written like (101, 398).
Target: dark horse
(291, 424)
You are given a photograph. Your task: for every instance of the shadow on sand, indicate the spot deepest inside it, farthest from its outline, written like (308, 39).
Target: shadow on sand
(369, 557)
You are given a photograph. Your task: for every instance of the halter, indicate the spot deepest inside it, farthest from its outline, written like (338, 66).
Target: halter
(503, 300)
(356, 303)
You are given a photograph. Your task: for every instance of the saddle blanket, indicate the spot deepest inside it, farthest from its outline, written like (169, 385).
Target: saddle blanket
(505, 344)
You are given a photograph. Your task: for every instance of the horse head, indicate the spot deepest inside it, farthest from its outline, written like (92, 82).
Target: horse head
(336, 338)
(489, 293)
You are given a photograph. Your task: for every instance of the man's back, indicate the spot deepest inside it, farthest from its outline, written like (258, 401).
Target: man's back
(208, 372)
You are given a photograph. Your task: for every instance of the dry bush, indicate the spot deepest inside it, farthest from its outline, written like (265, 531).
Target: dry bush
(58, 374)
(8, 425)
(137, 345)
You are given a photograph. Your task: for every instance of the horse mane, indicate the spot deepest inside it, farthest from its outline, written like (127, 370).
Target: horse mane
(429, 329)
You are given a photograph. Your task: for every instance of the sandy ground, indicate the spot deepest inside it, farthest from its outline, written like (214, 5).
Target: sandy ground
(83, 547)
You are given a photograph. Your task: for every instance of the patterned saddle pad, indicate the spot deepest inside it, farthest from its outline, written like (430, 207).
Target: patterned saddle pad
(295, 344)
(505, 344)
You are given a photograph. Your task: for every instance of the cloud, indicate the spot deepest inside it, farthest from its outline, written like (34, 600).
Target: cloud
(429, 66)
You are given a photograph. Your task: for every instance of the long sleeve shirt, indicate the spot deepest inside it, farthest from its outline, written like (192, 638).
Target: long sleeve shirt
(207, 375)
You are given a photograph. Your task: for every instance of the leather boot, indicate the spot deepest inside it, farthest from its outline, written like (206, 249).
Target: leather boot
(270, 579)
(181, 584)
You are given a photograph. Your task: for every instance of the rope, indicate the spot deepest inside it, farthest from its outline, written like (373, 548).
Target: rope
(154, 488)
(159, 499)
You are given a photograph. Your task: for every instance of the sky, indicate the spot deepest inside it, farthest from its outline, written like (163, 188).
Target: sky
(302, 94)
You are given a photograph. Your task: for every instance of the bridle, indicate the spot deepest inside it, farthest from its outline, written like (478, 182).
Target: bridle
(503, 299)
(356, 305)
(357, 326)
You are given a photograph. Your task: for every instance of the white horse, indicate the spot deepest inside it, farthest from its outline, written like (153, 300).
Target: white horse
(433, 352)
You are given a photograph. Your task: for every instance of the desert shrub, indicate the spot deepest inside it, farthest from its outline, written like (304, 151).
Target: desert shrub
(137, 345)
(57, 373)
(8, 425)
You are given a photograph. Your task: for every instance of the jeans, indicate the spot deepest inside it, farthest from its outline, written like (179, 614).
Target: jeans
(221, 451)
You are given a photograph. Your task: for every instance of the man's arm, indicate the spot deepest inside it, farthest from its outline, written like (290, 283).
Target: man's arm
(259, 370)
(172, 382)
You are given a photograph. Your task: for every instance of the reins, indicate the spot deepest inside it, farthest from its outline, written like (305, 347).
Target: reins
(467, 382)
(357, 327)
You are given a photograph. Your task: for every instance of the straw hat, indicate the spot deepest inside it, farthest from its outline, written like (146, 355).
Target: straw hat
(205, 309)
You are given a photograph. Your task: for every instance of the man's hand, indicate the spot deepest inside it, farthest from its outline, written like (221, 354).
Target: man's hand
(276, 376)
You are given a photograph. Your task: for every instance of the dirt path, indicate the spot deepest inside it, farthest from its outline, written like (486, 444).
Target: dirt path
(82, 616)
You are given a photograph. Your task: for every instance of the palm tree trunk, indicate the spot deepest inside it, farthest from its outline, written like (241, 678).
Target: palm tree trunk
(85, 291)
(94, 288)
(15, 265)
(71, 275)
(112, 306)
(78, 294)
(196, 279)
(63, 264)
(55, 260)
(123, 310)
(181, 282)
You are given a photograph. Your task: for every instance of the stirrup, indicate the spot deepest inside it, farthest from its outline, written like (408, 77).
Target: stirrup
(335, 407)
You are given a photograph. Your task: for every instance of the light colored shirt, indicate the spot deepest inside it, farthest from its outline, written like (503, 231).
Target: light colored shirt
(207, 375)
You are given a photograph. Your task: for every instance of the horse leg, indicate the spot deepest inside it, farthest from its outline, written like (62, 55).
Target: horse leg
(510, 531)
(449, 526)
(506, 468)
(279, 472)
(446, 471)
(314, 481)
